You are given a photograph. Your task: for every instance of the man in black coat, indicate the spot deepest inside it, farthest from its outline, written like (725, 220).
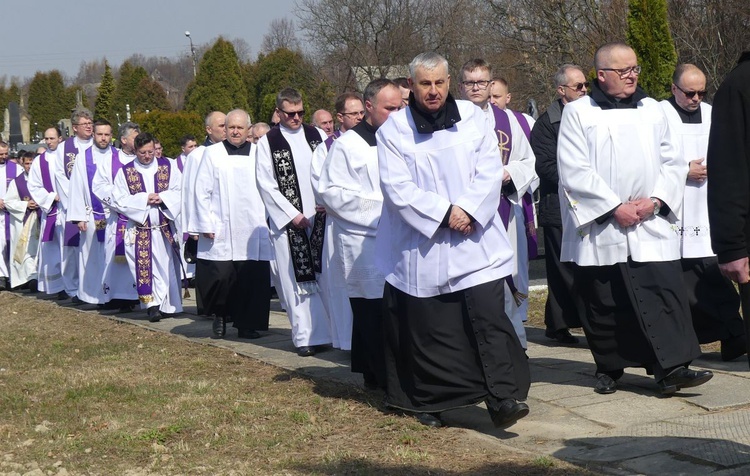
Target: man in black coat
(563, 308)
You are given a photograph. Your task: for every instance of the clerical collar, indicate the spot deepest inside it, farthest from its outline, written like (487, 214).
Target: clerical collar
(427, 122)
(244, 149)
(687, 117)
(367, 132)
(605, 101)
(208, 141)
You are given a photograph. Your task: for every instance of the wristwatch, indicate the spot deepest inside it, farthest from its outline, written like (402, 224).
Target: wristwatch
(657, 207)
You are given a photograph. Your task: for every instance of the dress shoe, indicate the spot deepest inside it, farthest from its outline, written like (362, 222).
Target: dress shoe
(605, 384)
(125, 308)
(248, 334)
(219, 326)
(62, 296)
(562, 336)
(305, 351)
(507, 412)
(429, 419)
(733, 348)
(683, 377)
(76, 300)
(153, 314)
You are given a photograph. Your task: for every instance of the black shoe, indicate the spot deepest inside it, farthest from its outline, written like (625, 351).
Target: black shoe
(562, 336)
(733, 348)
(507, 412)
(605, 384)
(33, 286)
(153, 314)
(371, 382)
(429, 419)
(126, 308)
(62, 296)
(76, 300)
(248, 334)
(683, 377)
(305, 351)
(219, 327)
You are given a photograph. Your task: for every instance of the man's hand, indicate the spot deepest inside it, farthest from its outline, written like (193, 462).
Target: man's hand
(154, 199)
(300, 222)
(737, 270)
(57, 198)
(210, 236)
(32, 205)
(698, 172)
(627, 214)
(2, 204)
(506, 177)
(82, 225)
(644, 207)
(460, 221)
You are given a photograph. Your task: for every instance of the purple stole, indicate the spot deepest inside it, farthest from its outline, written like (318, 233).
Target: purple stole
(528, 200)
(11, 172)
(180, 163)
(100, 223)
(23, 191)
(143, 252)
(122, 220)
(305, 252)
(70, 152)
(329, 142)
(71, 233)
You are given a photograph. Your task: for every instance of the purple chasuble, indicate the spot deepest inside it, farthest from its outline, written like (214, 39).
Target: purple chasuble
(23, 191)
(11, 172)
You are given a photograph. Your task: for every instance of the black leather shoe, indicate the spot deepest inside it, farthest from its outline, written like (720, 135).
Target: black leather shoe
(429, 419)
(683, 377)
(605, 384)
(76, 300)
(219, 326)
(733, 348)
(62, 296)
(248, 334)
(562, 336)
(126, 308)
(305, 351)
(507, 412)
(153, 314)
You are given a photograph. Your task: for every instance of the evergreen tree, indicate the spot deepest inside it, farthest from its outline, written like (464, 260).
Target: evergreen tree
(649, 35)
(49, 100)
(105, 94)
(126, 88)
(218, 85)
(150, 96)
(169, 127)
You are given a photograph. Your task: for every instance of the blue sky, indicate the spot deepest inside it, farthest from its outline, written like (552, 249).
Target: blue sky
(41, 35)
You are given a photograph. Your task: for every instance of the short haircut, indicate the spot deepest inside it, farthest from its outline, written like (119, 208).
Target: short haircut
(260, 126)
(402, 82)
(375, 86)
(210, 116)
(79, 113)
(474, 64)
(341, 101)
(234, 112)
(127, 127)
(681, 69)
(290, 95)
(142, 139)
(561, 76)
(501, 80)
(4, 145)
(605, 50)
(27, 155)
(102, 122)
(185, 139)
(56, 129)
(428, 60)
(157, 141)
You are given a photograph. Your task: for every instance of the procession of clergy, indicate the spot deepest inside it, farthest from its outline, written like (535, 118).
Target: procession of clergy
(404, 235)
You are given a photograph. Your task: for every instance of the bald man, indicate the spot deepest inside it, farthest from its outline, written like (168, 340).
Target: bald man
(323, 119)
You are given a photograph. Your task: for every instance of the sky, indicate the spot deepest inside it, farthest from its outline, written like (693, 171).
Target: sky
(42, 35)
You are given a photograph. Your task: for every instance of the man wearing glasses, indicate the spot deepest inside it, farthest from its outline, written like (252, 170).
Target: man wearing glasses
(283, 175)
(714, 302)
(622, 177)
(563, 307)
(518, 174)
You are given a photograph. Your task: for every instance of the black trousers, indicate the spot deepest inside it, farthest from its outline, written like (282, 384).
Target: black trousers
(564, 306)
(368, 339)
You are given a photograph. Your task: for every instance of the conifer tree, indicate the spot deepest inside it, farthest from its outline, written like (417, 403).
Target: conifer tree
(218, 85)
(649, 35)
(105, 94)
(126, 88)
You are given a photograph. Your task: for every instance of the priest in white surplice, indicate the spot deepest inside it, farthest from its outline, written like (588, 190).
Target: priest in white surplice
(621, 186)
(24, 230)
(234, 244)
(117, 281)
(714, 301)
(518, 161)
(9, 170)
(350, 111)
(147, 191)
(66, 155)
(444, 253)
(349, 187)
(283, 174)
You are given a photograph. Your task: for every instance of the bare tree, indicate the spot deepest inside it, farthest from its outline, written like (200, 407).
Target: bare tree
(281, 34)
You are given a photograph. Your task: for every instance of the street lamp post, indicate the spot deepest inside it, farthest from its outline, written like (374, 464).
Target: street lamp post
(192, 53)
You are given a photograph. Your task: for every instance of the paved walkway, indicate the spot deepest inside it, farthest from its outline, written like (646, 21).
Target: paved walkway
(705, 430)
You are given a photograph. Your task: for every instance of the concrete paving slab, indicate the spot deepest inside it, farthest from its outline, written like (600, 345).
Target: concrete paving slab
(721, 452)
(666, 463)
(723, 391)
(548, 392)
(635, 409)
(609, 450)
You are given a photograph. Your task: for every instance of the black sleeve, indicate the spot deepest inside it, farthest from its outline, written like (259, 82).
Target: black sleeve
(544, 145)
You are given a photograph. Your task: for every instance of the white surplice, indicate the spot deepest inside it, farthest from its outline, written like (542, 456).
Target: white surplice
(607, 157)
(420, 180)
(49, 257)
(165, 266)
(693, 221)
(24, 237)
(331, 278)
(4, 244)
(306, 312)
(118, 281)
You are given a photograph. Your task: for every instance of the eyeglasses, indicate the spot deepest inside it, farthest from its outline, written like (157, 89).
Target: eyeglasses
(84, 124)
(624, 72)
(478, 84)
(578, 86)
(353, 115)
(691, 94)
(299, 113)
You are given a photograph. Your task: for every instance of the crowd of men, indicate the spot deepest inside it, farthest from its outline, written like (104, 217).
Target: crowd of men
(405, 233)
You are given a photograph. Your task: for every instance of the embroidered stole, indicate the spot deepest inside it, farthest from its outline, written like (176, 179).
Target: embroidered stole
(143, 251)
(28, 224)
(122, 220)
(100, 220)
(305, 253)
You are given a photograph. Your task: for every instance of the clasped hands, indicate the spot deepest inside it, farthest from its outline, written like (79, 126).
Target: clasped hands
(634, 211)
(460, 221)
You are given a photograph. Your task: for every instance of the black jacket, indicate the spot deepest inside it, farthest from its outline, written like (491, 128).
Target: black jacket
(544, 144)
